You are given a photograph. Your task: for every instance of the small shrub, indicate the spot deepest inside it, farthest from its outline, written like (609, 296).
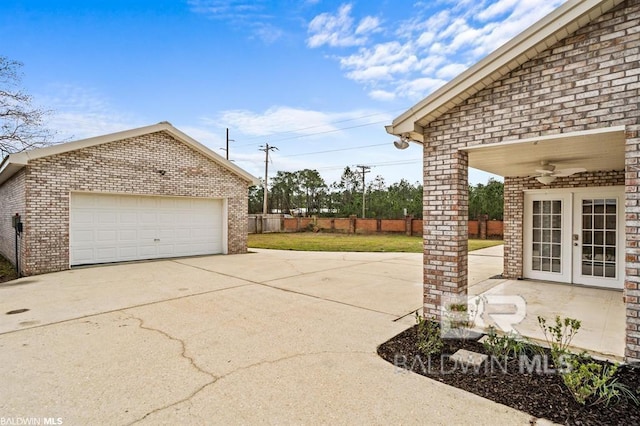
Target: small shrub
(585, 378)
(429, 339)
(559, 336)
(508, 346)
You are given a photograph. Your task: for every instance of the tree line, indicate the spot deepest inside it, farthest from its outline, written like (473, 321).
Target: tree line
(305, 193)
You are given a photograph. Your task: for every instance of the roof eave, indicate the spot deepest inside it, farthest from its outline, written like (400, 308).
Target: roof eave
(14, 162)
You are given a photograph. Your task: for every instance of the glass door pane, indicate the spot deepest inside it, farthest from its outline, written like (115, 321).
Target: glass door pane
(546, 249)
(599, 237)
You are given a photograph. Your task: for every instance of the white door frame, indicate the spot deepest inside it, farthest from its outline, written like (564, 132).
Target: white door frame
(564, 275)
(616, 193)
(571, 249)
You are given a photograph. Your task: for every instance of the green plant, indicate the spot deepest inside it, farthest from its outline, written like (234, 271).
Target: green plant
(614, 391)
(459, 318)
(559, 336)
(429, 339)
(585, 378)
(507, 346)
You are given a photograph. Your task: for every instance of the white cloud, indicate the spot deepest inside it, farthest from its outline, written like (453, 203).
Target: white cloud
(450, 71)
(497, 8)
(80, 113)
(380, 62)
(438, 43)
(251, 16)
(337, 30)
(382, 95)
(416, 88)
(368, 24)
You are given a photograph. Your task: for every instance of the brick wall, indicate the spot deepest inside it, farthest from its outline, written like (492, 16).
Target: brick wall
(12, 195)
(589, 80)
(128, 166)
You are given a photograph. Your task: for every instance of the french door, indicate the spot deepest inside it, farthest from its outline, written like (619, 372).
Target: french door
(575, 236)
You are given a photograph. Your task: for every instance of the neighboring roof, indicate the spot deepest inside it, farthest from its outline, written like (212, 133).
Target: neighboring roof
(14, 162)
(554, 27)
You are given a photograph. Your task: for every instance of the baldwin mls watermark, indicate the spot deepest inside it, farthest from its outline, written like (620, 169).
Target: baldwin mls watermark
(31, 421)
(442, 365)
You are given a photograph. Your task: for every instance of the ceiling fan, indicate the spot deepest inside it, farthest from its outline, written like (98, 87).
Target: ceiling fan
(547, 173)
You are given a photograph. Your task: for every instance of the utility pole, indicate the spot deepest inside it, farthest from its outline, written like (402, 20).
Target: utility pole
(227, 148)
(266, 148)
(363, 170)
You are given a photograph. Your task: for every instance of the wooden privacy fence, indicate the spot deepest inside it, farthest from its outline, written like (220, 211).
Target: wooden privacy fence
(482, 229)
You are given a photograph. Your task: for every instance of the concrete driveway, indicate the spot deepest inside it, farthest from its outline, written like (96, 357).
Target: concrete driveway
(268, 337)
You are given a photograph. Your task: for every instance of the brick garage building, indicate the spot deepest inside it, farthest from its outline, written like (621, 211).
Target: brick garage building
(145, 193)
(563, 93)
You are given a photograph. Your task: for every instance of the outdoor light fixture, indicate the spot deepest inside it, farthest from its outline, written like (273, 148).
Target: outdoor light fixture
(546, 179)
(403, 143)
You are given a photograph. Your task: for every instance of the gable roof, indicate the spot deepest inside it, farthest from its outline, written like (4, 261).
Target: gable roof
(14, 162)
(539, 37)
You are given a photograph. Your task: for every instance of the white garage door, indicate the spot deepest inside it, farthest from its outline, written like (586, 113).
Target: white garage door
(114, 228)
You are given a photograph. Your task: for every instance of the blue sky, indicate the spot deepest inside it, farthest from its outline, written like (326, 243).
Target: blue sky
(318, 79)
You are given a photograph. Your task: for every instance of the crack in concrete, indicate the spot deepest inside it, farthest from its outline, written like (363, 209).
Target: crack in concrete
(237, 370)
(183, 354)
(140, 305)
(275, 287)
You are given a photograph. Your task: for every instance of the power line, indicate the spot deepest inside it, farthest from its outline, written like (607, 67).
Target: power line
(383, 164)
(327, 124)
(335, 150)
(323, 133)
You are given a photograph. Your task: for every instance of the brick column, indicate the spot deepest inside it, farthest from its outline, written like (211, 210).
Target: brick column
(632, 258)
(445, 225)
(513, 227)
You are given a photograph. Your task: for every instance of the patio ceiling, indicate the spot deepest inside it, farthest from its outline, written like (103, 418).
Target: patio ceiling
(595, 150)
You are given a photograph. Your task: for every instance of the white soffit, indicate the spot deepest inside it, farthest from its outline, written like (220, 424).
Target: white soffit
(595, 150)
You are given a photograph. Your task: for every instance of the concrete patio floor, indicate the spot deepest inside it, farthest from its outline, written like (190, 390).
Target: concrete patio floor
(601, 311)
(268, 337)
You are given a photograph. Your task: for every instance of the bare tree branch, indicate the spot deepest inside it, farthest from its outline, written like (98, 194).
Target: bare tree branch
(21, 124)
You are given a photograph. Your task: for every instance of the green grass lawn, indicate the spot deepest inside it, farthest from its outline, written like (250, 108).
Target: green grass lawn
(309, 241)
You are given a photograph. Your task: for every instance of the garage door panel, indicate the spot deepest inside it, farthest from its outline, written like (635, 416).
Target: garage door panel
(128, 253)
(109, 217)
(105, 253)
(112, 228)
(126, 202)
(106, 235)
(127, 235)
(128, 218)
(83, 236)
(85, 255)
(147, 251)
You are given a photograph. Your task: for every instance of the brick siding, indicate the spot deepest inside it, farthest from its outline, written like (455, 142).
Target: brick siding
(12, 194)
(589, 80)
(128, 166)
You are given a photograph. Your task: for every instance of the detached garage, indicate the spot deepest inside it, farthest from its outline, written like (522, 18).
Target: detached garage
(146, 193)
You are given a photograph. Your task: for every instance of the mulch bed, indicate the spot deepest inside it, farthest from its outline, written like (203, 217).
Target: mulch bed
(542, 395)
